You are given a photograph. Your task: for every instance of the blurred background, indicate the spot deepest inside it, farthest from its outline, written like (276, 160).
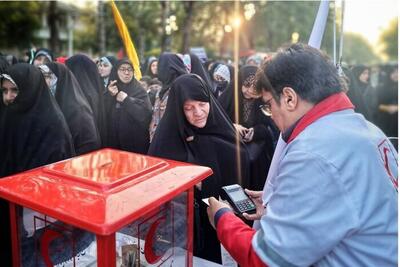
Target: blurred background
(370, 28)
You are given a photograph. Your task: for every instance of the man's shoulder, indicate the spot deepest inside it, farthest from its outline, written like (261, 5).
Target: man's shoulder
(340, 128)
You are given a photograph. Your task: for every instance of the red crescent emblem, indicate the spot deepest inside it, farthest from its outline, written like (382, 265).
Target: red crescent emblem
(150, 255)
(48, 236)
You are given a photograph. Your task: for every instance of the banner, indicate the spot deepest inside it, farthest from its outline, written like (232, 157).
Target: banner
(126, 39)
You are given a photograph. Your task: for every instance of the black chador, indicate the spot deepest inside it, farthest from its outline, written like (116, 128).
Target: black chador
(214, 146)
(261, 147)
(128, 121)
(88, 77)
(33, 133)
(76, 110)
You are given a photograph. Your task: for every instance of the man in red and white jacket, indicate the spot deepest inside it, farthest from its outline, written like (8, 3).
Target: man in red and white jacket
(330, 198)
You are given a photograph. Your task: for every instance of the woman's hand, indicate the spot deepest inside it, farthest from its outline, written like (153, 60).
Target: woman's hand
(112, 88)
(121, 96)
(240, 129)
(248, 137)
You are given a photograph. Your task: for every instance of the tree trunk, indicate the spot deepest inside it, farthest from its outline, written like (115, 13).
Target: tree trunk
(101, 28)
(164, 16)
(52, 21)
(187, 25)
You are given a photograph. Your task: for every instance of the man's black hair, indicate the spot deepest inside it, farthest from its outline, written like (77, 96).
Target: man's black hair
(305, 69)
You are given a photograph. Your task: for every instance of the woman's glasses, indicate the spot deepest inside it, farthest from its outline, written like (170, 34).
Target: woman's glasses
(130, 70)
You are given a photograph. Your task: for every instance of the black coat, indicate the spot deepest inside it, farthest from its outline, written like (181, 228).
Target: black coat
(76, 110)
(128, 122)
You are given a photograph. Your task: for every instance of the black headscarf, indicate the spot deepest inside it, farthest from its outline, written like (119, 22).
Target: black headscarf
(262, 147)
(357, 71)
(128, 122)
(88, 77)
(170, 66)
(362, 93)
(198, 68)
(176, 139)
(3, 64)
(213, 146)
(76, 110)
(33, 129)
(148, 71)
(44, 52)
(388, 95)
(355, 91)
(113, 61)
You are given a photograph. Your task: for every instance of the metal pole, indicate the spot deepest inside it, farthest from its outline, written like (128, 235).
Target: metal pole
(341, 34)
(102, 29)
(70, 23)
(236, 89)
(334, 32)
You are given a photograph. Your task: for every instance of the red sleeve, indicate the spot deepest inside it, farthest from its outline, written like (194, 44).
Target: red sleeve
(236, 237)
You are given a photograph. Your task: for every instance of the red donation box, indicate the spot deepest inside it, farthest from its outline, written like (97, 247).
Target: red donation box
(106, 208)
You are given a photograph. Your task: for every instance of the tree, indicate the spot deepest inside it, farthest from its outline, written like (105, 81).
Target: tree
(187, 22)
(19, 21)
(276, 21)
(389, 39)
(85, 35)
(53, 17)
(357, 50)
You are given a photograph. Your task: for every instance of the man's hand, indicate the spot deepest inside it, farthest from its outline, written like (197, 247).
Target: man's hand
(256, 196)
(391, 109)
(112, 88)
(215, 205)
(121, 96)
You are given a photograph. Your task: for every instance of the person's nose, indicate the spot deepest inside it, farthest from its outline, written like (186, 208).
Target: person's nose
(197, 111)
(8, 94)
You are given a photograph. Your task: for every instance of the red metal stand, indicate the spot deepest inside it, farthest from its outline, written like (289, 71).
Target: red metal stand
(106, 251)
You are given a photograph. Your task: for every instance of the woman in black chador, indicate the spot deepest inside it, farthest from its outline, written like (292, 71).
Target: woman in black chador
(33, 132)
(257, 130)
(195, 129)
(170, 66)
(76, 110)
(128, 110)
(88, 77)
(33, 129)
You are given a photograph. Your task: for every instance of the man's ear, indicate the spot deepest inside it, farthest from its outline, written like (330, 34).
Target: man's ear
(290, 98)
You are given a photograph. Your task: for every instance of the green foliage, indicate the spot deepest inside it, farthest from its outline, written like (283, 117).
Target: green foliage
(143, 20)
(389, 39)
(357, 50)
(275, 22)
(19, 20)
(85, 34)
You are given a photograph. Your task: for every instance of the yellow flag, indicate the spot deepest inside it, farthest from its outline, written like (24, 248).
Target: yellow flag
(126, 38)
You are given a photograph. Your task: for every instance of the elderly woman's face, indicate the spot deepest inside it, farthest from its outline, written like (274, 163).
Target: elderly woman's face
(196, 112)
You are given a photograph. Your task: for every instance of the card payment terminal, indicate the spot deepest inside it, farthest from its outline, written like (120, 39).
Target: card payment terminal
(238, 199)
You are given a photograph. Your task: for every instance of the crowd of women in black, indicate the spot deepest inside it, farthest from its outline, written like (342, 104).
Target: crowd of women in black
(182, 109)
